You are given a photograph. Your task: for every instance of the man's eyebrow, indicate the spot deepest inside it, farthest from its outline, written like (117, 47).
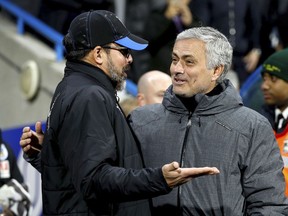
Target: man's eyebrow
(190, 57)
(183, 56)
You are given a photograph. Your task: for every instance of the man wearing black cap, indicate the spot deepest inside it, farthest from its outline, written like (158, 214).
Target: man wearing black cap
(90, 162)
(275, 92)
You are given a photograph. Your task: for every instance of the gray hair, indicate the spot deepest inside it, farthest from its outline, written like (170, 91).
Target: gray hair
(218, 49)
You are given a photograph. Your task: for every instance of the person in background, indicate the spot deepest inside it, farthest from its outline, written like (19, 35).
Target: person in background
(128, 105)
(240, 22)
(91, 163)
(275, 91)
(14, 195)
(8, 164)
(152, 86)
(58, 14)
(161, 28)
(202, 118)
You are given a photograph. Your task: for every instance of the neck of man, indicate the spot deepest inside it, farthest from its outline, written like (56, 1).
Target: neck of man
(190, 103)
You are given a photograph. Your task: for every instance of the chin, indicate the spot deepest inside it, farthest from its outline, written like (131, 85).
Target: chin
(179, 90)
(180, 93)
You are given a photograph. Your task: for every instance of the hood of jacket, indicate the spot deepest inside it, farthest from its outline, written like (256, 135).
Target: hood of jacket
(205, 104)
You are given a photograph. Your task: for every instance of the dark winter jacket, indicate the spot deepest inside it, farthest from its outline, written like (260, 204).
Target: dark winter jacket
(220, 132)
(87, 145)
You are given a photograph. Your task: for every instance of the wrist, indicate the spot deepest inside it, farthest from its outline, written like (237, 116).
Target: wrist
(257, 51)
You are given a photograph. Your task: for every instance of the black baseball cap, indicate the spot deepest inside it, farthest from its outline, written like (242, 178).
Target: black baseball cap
(100, 27)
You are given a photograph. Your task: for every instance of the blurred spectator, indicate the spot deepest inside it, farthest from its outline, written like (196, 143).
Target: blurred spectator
(239, 21)
(282, 23)
(152, 86)
(14, 196)
(137, 12)
(161, 28)
(8, 164)
(269, 16)
(128, 105)
(275, 91)
(159, 22)
(59, 13)
(274, 28)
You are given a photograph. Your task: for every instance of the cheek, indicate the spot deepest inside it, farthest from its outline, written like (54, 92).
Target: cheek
(201, 79)
(281, 93)
(279, 90)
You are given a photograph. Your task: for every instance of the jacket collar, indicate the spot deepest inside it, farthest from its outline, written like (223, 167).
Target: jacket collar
(225, 97)
(93, 72)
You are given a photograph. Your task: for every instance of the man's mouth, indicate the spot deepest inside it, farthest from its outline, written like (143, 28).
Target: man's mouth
(178, 81)
(266, 96)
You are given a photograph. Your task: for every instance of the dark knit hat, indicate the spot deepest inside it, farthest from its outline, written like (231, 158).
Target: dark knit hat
(100, 27)
(277, 64)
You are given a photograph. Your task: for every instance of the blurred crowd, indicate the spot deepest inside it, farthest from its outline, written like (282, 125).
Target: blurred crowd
(255, 28)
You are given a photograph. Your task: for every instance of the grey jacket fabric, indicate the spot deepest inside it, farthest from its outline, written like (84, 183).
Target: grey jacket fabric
(220, 132)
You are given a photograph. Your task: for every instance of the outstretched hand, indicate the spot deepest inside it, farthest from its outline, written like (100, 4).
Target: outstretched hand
(174, 175)
(31, 141)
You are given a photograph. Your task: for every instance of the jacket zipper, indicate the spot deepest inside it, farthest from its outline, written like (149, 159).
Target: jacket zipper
(188, 126)
(185, 140)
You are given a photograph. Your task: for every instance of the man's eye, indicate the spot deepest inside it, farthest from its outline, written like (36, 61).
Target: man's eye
(174, 60)
(274, 78)
(190, 62)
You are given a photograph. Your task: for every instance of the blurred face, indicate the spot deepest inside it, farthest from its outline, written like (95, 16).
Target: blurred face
(188, 69)
(275, 91)
(156, 92)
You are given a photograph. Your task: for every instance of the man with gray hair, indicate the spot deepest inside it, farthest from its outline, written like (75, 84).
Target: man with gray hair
(202, 121)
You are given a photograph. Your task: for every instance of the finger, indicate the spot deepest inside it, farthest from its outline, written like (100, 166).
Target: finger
(200, 171)
(171, 167)
(26, 148)
(175, 165)
(25, 142)
(26, 129)
(38, 127)
(26, 135)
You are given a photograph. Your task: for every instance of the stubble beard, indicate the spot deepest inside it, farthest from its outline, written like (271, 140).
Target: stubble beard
(116, 75)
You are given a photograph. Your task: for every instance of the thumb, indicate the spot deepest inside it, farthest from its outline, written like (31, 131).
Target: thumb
(38, 127)
(175, 164)
(172, 166)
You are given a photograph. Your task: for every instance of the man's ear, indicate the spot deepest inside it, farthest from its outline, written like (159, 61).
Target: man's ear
(141, 99)
(218, 70)
(98, 54)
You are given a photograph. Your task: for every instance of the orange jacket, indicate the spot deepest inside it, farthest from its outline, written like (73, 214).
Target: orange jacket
(282, 140)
